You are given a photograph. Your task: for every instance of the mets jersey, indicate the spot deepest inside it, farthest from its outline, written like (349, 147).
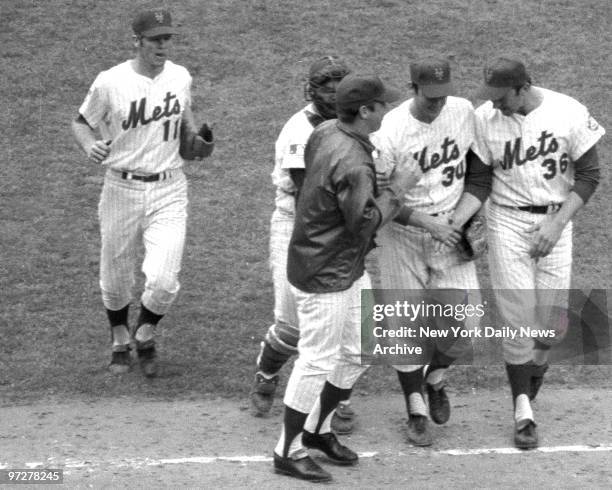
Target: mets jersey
(289, 153)
(532, 156)
(437, 150)
(140, 115)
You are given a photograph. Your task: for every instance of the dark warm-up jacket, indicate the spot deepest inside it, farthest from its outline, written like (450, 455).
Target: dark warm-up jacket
(337, 212)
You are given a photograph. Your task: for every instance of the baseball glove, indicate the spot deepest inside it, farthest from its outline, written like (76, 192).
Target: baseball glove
(473, 242)
(196, 145)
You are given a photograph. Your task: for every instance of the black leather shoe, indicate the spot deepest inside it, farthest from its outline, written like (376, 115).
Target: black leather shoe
(328, 444)
(418, 430)
(537, 379)
(439, 406)
(147, 359)
(303, 468)
(526, 437)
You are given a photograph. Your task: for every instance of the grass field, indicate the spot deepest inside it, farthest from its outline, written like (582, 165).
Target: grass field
(248, 60)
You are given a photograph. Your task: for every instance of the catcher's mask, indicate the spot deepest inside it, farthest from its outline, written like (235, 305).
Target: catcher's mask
(322, 71)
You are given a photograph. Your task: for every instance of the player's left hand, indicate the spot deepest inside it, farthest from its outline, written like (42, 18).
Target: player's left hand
(444, 232)
(546, 234)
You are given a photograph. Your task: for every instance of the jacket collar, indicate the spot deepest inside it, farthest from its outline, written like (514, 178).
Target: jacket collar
(362, 140)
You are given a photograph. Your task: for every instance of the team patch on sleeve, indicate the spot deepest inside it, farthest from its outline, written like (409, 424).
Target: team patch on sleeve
(297, 150)
(592, 124)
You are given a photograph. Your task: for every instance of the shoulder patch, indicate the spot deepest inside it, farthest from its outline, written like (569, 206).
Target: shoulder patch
(592, 124)
(297, 150)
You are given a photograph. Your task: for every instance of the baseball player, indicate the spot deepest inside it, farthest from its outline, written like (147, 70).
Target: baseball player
(540, 146)
(432, 133)
(336, 217)
(280, 341)
(131, 121)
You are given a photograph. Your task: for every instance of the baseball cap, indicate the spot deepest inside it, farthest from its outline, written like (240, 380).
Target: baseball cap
(151, 23)
(433, 77)
(356, 90)
(500, 75)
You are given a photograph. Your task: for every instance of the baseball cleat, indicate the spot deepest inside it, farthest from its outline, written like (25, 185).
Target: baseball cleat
(526, 437)
(262, 393)
(120, 360)
(439, 406)
(343, 419)
(537, 379)
(303, 468)
(419, 432)
(147, 359)
(328, 444)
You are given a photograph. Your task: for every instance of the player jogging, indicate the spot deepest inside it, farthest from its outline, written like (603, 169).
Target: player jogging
(132, 120)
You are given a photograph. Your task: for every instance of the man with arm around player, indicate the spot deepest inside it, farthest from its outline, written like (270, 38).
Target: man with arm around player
(540, 146)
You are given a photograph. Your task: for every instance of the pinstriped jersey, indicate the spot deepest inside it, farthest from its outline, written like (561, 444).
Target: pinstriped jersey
(532, 156)
(437, 150)
(141, 115)
(289, 153)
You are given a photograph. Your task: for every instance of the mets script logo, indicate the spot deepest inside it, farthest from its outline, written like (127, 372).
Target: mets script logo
(544, 153)
(159, 17)
(450, 151)
(138, 111)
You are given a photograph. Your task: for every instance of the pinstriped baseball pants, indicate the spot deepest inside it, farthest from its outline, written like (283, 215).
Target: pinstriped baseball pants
(154, 213)
(281, 227)
(408, 258)
(330, 344)
(528, 292)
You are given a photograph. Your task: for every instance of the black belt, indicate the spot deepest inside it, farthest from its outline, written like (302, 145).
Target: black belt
(146, 178)
(551, 208)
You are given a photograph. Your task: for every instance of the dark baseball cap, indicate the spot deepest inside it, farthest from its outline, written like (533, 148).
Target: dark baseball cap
(356, 90)
(152, 23)
(433, 77)
(501, 75)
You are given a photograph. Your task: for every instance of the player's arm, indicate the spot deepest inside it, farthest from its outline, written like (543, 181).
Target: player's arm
(297, 176)
(96, 149)
(364, 213)
(478, 181)
(586, 178)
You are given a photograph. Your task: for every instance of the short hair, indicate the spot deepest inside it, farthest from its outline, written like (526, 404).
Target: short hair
(348, 115)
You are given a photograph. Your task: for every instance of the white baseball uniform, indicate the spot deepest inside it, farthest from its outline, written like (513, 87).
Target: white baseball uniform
(289, 154)
(408, 257)
(141, 116)
(532, 158)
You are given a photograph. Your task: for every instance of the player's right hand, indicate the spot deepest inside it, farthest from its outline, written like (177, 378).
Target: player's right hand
(99, 151)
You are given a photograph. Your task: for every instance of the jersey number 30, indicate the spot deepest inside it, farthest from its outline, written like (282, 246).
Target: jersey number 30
(453, 172)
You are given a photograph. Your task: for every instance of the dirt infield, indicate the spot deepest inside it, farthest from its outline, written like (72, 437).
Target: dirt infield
(204, 443)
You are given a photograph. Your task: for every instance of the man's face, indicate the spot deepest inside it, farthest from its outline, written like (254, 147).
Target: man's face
(375, 117)
(510, 103)
(428, 107)
(327, 92)
(154, 51)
